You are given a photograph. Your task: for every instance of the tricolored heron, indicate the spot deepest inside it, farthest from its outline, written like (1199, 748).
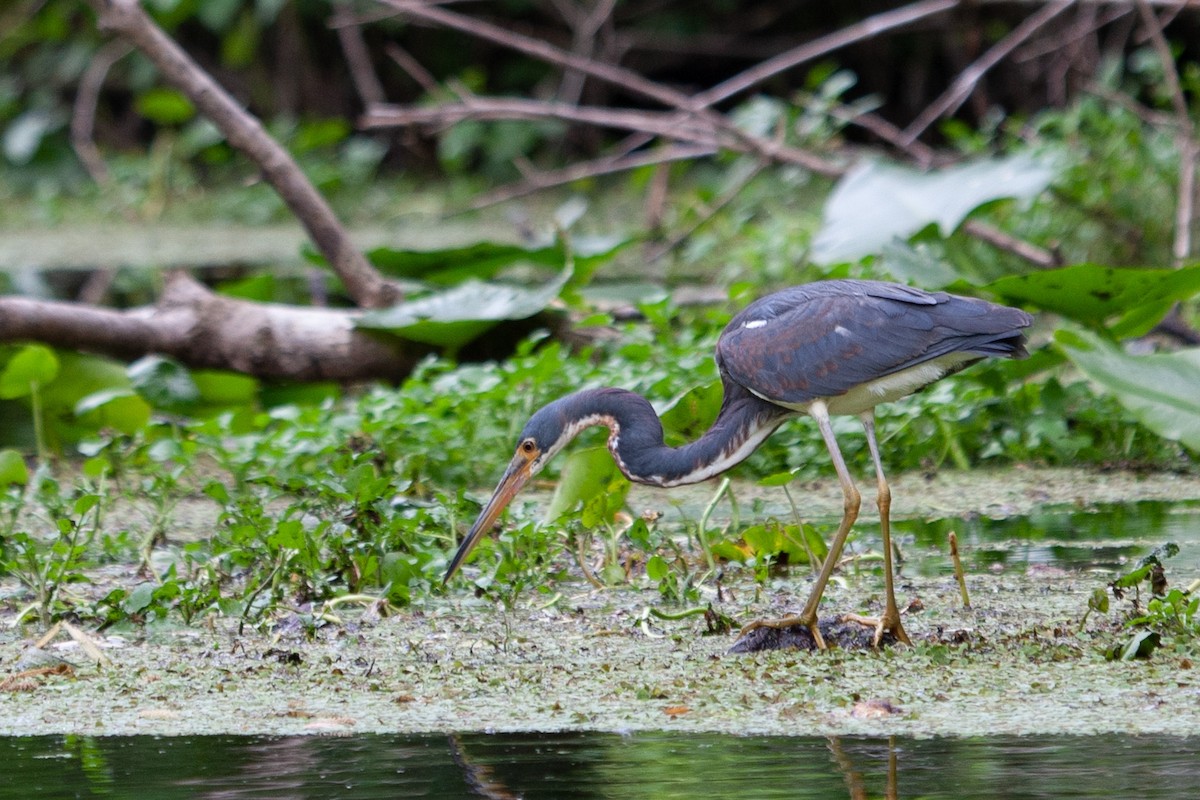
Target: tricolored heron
(831, 347)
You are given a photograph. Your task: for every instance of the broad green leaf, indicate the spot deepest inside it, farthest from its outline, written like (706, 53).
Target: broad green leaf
(692, 413)
(763, 540)
(140, 598)
(12, 468)
(1093, 294)
(484, 260)
(1161, 390)
(877, 202)
(34, 364)
(164, 382)
(778, 479)
(122, 409)
(586, 475)
(453, 317)
(657, 568)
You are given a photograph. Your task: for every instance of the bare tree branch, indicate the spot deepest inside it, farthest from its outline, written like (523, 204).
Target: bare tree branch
(349, 34)
(1038, 256)
(867, 29)
(210, 331)
(246, 133)
(626, 79)
(83, 116)
(965, 83)
(413, 67)
(669, 125)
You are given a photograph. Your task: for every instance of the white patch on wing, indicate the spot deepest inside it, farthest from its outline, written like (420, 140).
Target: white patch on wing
(754, 323)
(840, 331)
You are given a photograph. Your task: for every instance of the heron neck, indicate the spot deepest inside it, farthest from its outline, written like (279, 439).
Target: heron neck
(636, 435)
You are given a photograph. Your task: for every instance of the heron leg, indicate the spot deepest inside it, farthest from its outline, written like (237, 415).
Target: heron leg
(890, 621)
(852, 500)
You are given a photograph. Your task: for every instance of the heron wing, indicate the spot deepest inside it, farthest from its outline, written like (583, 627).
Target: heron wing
(823, 339)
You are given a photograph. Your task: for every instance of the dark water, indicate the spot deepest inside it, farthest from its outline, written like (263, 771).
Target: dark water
(650, 765)
(1109, 538)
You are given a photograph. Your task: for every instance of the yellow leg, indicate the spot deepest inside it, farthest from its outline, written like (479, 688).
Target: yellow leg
(852, 500)
(890, 621)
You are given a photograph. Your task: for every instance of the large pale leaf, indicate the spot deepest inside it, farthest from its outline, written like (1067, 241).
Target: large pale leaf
(1162, 390)
(877, 202)
(1093, 294)
(453, 317)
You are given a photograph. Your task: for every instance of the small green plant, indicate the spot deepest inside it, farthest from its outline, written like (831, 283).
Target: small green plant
(1169, 614)
(46, 563)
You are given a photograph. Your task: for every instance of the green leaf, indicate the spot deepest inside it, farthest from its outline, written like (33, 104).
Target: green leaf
(289, 534)
(657, 568)
(1092, 294)
(33, 365)
(221, 388)
(12, 468)
(164, 382)
(778, 479)
(164, 106)
(1161, 390)
(453, 317)
(139, 599)
(483, 260)
(121, 409)
(692, 413)
(763, 540)
(586, 475)
(877, 202)
(1142, 645)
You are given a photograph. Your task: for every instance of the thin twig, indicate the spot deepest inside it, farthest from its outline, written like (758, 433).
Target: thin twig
(584, 28)
(665, 124)
(619, 76)
(415, 70)
(591, 169)
(83, 116)
(997, 238)
(918, 151)
(867, 29)
(965, 83)
(358, 58)
(1185, 137)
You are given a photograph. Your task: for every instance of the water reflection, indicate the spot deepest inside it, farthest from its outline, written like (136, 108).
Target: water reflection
(568, 765)
(1107, 539)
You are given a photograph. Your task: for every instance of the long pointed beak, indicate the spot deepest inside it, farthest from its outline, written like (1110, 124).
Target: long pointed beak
(515, 477)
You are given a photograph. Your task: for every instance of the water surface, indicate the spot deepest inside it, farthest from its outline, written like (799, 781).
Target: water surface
(587, 765)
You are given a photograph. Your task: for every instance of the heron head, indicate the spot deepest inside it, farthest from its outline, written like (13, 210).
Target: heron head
(547, 432)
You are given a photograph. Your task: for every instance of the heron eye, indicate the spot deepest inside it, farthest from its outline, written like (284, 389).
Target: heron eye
(528, 447)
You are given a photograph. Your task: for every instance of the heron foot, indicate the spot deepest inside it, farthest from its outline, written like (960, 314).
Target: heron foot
(887, 623)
